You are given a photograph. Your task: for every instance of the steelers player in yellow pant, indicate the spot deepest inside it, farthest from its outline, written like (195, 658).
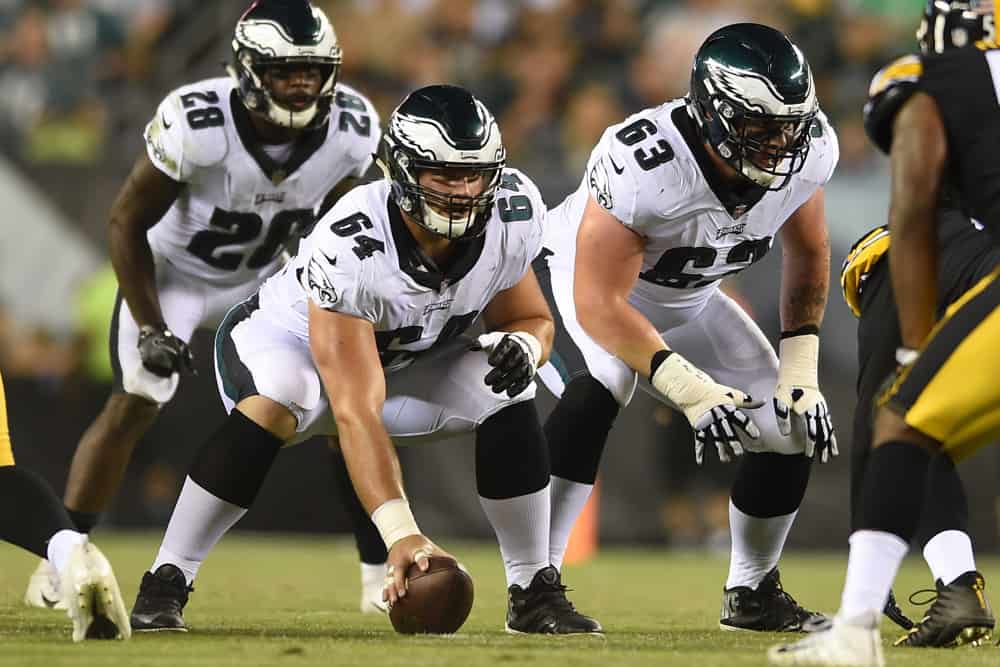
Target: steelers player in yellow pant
(33, 517)
(960, 612)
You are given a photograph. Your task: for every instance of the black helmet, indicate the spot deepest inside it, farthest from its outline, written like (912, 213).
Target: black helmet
(284, 32)
(750, 83)
(953, 24)
(439, 128)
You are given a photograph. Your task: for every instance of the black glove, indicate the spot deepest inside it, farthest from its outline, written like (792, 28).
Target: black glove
(163, 353)
(514, 359)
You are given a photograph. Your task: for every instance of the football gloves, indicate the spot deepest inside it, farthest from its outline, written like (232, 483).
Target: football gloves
(514, 357)
(714, 411)
(797, 396)
(163, 353)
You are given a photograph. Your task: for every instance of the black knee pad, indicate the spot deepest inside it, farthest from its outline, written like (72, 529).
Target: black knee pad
(578, 428)
(770, 485)
(512, 458)
(233, 463)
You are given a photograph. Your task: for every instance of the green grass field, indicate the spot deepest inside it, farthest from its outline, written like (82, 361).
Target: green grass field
(293, 601)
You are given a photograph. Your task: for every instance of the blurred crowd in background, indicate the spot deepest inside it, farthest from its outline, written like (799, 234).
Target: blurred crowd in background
(80, 78)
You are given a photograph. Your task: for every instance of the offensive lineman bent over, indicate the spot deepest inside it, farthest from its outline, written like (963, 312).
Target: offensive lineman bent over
(359, 336)
(674, 199)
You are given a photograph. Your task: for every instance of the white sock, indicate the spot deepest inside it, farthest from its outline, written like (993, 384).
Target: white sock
(757, 545)
(61, 544)
(949, 555)
(871, 569)
(522, 528)
(568, 499)
(199, 521)
(372, 575)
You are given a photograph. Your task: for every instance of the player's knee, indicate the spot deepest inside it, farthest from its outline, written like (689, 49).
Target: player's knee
(577, 429)
(511, 457)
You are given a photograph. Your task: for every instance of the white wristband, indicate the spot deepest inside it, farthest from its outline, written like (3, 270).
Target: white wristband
(798, 360)
(394, 521)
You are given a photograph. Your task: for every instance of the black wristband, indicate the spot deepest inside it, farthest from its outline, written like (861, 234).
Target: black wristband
(658, 358)
(808, 329)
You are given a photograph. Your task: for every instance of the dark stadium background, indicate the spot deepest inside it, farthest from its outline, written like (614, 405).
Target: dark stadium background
(79, 78)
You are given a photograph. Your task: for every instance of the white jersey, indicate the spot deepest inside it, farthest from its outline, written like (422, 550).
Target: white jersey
(241, 204)
(361, 260)
(650, 171)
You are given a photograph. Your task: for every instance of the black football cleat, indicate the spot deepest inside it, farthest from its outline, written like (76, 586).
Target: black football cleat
(960, 614)
(543, 608)
(160, 603)
(767, 609)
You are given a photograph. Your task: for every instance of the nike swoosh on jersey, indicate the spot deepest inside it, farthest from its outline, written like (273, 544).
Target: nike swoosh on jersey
(166, 125)
(618, 170)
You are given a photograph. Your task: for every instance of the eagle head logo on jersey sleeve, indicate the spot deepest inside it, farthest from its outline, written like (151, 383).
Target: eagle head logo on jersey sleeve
(955, 24)
(317, 281)
(446, 131)
(600, 186)
(285, 34)
(754, 101)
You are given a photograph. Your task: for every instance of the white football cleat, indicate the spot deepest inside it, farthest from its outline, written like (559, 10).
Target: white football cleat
(372, 583)
(839, 644)
(94, 602)
(43, 588)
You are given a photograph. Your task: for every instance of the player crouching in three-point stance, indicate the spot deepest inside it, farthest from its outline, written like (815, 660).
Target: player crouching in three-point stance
(938, 117)
(32, 518)
(674, 199)
(359, 336)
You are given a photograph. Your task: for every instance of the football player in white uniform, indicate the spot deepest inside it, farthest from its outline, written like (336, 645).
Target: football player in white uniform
(359, 336)
(234, 168)
(674, 199)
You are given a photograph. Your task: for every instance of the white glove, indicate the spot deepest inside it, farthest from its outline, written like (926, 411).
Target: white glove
(712, 409)
(798, 394)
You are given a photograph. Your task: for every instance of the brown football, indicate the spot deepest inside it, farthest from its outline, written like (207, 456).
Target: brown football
(437, 601)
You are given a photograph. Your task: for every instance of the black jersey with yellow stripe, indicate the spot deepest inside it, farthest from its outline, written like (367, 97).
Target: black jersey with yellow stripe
(965, 84)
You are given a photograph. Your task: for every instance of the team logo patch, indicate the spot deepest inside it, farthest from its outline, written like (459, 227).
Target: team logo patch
(600, 187)
(318, 283)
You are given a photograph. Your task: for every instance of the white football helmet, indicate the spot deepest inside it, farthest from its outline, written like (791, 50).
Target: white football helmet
(440, 128)
(284, 32)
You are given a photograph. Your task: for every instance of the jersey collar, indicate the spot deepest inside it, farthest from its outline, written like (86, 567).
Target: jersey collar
(306, 144)
(736, 202)
(412, 261)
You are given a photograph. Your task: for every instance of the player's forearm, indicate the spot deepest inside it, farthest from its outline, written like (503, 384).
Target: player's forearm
(371, 458)
(621, 330)
(805, 284)
(913, 267)
(132, 260)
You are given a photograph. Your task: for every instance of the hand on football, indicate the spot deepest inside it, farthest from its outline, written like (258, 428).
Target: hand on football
(514, 358)
(407, 551)
(714, 410)
(163, 353)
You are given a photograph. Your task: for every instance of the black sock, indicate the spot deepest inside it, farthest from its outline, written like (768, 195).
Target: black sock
(371, 548)
(945, 504)
(512, 458)
(234, 461)
(31, 513)
(893, 490)
(84, 521)
(769, 485)
(578, 428)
